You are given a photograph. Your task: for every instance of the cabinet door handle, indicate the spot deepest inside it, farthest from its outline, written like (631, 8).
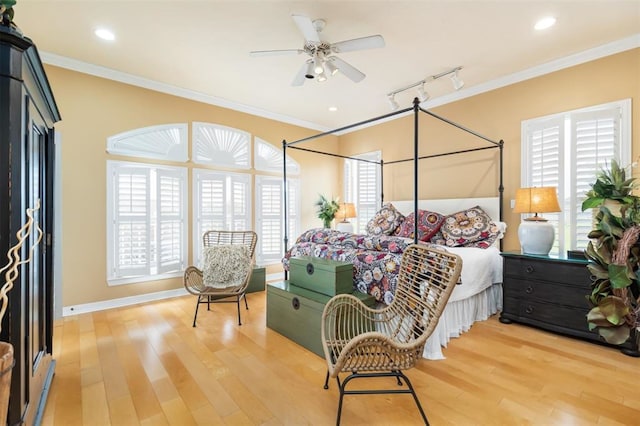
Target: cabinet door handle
(529, 290)
(529, 309)
(529, 269)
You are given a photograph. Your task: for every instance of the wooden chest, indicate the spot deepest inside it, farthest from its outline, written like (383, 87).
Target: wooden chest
(296, 313)
(257, 281)
(324, 276)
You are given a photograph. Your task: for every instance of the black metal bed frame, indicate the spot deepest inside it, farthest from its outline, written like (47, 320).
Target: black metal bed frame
(416, 158)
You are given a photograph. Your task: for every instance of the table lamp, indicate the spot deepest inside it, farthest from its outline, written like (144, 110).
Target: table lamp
(346, 211)
(535, 233)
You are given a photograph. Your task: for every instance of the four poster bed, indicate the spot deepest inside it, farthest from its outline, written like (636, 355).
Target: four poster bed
(471, 228)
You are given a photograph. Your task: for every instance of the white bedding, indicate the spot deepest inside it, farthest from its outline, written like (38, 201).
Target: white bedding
(480, 293)
(480, 269)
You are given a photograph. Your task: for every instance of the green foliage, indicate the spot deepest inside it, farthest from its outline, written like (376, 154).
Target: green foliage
(611, 184)
(6, 12)
(609, 312)
(327, 210)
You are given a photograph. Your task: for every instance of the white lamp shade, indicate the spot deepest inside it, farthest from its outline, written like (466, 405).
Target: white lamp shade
(536, 237)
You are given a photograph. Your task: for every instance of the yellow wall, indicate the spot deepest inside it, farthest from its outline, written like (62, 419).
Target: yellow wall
(94, 108)
(497, 115)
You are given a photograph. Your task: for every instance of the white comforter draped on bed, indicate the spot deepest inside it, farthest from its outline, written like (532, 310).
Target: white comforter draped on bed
(477, 297)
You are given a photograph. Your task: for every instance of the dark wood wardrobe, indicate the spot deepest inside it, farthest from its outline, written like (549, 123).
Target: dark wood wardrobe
(28, 113)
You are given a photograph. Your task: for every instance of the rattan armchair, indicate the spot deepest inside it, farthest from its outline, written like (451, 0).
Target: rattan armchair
(193, 276)
(366, 342)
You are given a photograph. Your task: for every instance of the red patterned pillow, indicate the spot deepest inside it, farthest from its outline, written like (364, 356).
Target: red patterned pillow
(468, 226)
(428, 224)
(385, 221)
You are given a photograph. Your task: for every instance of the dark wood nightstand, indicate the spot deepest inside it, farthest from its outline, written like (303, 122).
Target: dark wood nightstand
(550, 293)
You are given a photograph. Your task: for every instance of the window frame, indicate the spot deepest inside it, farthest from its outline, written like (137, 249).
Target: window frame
(145, 273)
(351, 188)
(228, 215)
(567, 222)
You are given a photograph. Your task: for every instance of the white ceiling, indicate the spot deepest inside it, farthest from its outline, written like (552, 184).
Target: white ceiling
(201, 48)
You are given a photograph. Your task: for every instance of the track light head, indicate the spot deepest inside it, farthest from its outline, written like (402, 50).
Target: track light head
(422, 94)
(455, 80)
(392, 102)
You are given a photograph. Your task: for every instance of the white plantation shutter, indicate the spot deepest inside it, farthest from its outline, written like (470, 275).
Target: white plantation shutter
(221, 202)
(170, 231)
(270, 220)
(362, 187)
(145, 223)
(566, 151)
(131, 240)
(545, 149)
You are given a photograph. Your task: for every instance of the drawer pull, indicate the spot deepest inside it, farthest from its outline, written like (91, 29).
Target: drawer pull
(295, 302)
(529, 269)
(310, 268)
(529, 309)
(529, 290)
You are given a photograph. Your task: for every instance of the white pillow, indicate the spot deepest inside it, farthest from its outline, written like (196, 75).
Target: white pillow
(226, 265)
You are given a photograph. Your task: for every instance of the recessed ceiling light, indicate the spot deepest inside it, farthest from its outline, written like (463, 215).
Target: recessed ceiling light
(105, 34)
(545, 23)
(333, 108)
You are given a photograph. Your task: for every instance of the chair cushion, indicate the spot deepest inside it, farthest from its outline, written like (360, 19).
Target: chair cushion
(226, 265)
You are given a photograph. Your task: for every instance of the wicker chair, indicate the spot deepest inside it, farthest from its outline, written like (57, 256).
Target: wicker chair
(193, 277)
(367, 342)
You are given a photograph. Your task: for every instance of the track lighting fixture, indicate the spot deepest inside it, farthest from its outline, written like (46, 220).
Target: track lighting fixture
(392, 102)
(423, 95)
(455, 80)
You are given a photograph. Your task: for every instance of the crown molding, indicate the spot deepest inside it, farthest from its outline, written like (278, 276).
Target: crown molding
(111, 74)
(604, 50)
(539, 70)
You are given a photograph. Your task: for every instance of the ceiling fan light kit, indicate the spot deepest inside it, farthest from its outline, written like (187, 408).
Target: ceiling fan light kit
(422, 94)
(323, 61)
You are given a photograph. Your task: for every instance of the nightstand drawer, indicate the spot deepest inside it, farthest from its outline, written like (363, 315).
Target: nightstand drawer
(539, 270)
(551, 316)
(555, 293)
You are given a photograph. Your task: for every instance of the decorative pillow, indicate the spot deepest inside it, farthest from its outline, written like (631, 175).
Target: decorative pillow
(225, 265)
(438, 238)
(428, 224)
(385, 221)
(468, 226)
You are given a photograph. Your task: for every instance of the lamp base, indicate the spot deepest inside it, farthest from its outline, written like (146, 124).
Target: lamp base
(344, 227)
(536, 236)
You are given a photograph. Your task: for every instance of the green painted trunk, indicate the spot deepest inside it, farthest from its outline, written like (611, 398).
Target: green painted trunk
(296, 313)
(324, 276)
(257, 280)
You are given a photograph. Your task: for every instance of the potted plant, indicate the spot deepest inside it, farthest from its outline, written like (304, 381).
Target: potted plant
(326, 210)
(6, 13)
(615, 255)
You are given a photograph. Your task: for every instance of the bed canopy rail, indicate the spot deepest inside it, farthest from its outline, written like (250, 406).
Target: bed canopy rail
(416, 158)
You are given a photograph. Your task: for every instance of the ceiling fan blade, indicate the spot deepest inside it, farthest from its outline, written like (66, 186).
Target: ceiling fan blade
(369, 42)
(348, 70)
(276, 52)
(301, 76)
(306, 28)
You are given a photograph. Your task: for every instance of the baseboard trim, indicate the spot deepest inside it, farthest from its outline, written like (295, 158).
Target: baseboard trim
(121, 302)
(275, 277)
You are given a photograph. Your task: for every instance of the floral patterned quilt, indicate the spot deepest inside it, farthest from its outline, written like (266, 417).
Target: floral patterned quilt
(375, 259)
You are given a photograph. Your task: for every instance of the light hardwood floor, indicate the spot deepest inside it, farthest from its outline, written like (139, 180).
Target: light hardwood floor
(146, 365)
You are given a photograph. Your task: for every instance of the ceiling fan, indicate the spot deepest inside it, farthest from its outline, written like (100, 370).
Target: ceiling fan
(322, 60)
